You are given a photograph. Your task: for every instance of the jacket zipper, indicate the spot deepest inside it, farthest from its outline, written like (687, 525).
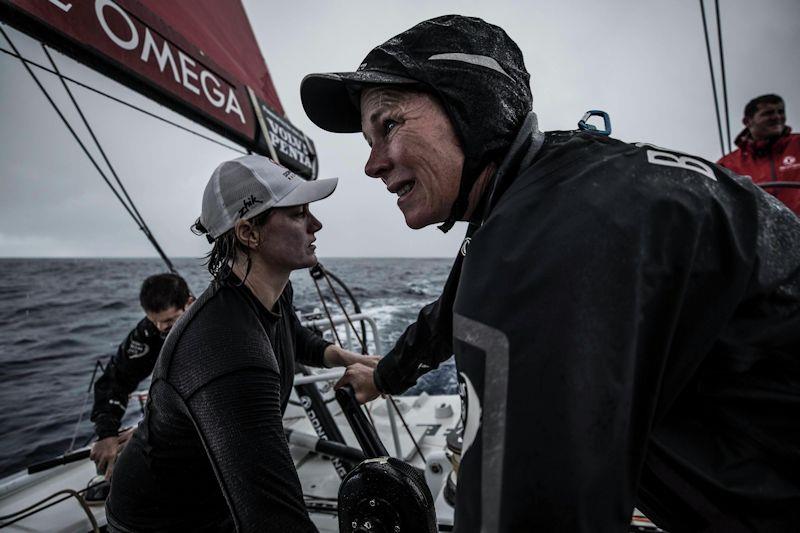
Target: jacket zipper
(772, 167)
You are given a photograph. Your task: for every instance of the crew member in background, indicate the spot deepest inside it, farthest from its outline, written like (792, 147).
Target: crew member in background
(164, 298)
(768, 151)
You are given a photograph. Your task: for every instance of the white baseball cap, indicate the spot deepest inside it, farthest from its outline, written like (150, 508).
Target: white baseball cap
(248, 186)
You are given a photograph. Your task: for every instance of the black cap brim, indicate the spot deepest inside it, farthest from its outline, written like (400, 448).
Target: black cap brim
(327, 97)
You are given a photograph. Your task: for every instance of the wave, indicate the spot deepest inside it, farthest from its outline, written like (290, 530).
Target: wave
(421, 289)
(88, 328)
(113, 306)
(50, 307)
(25, 341)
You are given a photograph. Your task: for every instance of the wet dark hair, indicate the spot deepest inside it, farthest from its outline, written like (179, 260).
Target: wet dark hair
(225, 247)
(752, 106)
(163, 291)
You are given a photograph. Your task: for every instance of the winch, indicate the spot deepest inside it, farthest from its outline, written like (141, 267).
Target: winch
(382, 494)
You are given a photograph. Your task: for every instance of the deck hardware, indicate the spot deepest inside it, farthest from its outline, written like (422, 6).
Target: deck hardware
(585, 126)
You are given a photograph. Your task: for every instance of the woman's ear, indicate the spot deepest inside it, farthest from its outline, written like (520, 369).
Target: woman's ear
(247, 234)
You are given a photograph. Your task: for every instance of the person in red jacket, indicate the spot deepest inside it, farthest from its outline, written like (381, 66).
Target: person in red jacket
(768, 151)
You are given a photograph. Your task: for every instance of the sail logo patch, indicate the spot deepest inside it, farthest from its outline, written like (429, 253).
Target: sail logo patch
(137, 349)
(137, 40)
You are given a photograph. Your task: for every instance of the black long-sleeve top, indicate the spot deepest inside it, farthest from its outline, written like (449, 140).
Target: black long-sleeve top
(210, 453)
(133, 362)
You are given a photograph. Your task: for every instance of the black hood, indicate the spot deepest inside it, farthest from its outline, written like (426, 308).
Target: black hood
(473, 67)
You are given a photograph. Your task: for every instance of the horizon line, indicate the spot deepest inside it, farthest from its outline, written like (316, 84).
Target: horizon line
(2, 257)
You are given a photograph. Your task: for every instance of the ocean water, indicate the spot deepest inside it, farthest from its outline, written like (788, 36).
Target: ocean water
(59, 316)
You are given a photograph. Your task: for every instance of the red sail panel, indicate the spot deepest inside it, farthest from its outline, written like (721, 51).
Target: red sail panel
(197, 56)
(221, 29)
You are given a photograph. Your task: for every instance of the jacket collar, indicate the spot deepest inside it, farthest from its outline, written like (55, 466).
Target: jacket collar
(748, 145)
(520, 155)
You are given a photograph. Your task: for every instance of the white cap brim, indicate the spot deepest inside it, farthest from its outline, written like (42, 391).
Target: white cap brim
(308, 191)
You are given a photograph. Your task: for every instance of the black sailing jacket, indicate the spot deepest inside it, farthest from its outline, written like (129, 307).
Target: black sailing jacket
(627, 332)
(133, 362)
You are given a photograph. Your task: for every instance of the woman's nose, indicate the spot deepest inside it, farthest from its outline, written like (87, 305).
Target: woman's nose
(378, 164)
(315, 225)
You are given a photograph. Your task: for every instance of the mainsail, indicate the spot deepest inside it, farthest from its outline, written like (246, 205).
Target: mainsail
(197, 57)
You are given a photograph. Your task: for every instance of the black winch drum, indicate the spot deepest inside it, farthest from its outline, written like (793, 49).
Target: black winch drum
(381, 494)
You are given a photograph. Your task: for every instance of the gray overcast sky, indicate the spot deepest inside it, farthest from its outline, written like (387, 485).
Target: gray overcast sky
(642, 61)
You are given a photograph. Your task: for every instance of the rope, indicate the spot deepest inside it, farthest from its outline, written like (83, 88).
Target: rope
(722, 70)
(408, 430)
(713, 81)
(38, 507)
(127, 104)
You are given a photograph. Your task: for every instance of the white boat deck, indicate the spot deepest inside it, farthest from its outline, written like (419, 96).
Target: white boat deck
(317, 475)
(22, 490)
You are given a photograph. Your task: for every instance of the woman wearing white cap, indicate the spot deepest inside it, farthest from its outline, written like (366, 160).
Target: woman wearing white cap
(210, 453)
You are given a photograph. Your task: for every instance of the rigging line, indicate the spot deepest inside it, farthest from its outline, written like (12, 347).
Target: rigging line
(69, 127)
(356, 307)
(83, 407)
(713, 81)
(128, 104)
(369, 414)
(327, 312)
(408, 429)
(39, 507)
(85, 150)
(362, 342)
(140, 219)
(724, 83)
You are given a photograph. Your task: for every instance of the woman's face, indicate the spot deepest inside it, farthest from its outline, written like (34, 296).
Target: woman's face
(414, 150)
(287, 238)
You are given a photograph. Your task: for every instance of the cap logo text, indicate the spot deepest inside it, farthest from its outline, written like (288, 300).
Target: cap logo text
(248, 204)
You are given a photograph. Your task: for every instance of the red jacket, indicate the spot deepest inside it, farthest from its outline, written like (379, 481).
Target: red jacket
(767, 161)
